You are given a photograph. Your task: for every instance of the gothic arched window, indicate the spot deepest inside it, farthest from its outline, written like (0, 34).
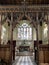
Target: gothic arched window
(24, 32)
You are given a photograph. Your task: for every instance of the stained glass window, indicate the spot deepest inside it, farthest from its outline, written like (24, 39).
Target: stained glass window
(25, 32)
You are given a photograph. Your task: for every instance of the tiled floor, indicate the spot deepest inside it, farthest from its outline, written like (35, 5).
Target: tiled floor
(24, 60)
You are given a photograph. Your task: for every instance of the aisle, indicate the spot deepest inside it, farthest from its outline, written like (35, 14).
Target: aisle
(24, 60)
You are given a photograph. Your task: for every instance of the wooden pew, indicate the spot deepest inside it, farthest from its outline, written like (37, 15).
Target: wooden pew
(5, 54)
(43, 53)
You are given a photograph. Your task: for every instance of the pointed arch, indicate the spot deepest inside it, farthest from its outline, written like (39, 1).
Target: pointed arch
(28, 18)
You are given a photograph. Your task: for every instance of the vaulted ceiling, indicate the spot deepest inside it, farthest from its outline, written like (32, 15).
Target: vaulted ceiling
(19, 2)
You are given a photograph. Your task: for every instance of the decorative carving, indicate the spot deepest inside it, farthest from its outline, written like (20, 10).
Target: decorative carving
(30, 12)
(28, 8)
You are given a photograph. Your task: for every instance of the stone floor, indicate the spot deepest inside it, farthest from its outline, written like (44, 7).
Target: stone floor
(25, 53)
(24, 60)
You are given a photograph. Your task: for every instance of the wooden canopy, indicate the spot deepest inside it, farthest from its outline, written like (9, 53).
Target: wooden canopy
(19, 2)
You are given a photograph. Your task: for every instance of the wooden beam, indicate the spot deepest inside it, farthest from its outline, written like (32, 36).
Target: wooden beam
(0, 26)
(33, 23)
(29, 8)
(37, 36)
(17, 21)
(48, 26)
(11, 27)
(42, 18)
(37, 22)
(11, 35)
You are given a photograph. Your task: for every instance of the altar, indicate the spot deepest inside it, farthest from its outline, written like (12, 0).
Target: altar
(24, 48)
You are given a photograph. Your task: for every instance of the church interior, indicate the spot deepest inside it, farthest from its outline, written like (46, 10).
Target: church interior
(24, 32)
